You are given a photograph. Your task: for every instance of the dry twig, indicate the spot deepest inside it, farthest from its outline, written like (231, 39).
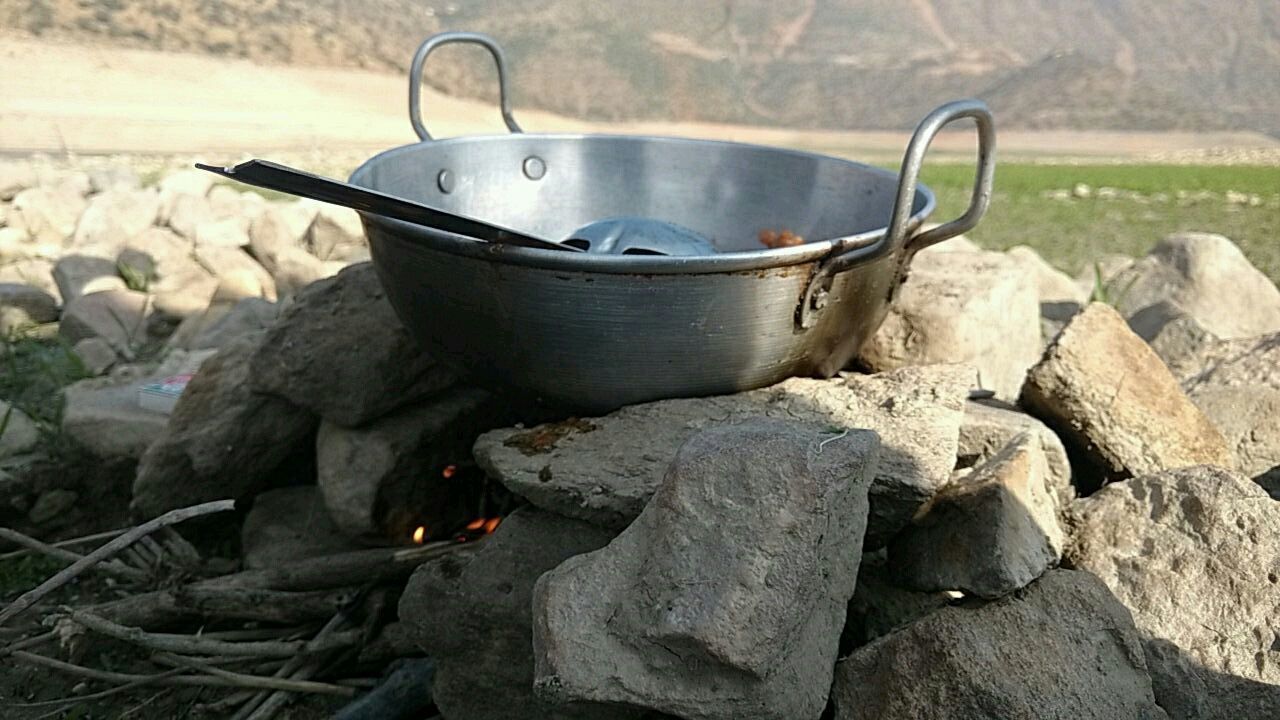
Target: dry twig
(195, 645)
(33, 545)
(68, 543)
(31, 597)
(257, 681)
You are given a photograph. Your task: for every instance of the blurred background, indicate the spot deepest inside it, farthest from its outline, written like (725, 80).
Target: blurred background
(1119, 121)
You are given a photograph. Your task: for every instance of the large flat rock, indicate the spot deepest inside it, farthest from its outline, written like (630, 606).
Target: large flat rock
(725, 599)
(604, 470)
(1061, 648)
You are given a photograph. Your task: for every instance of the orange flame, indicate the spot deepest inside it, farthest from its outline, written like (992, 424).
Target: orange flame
(420, 534)
(449, 471)
(475, 524)
(492, 524)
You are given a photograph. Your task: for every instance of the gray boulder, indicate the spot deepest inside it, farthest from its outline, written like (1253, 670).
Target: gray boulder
(96, 355)
(396, 462)
(295, 269)
(104, 418)
(1061, 648)
(1248, 416)
(1208, 277)
(18, 432)
(223, 440)
(978, 308)
(223, 323)
(604, 470)
(1102, 388)
(49, 214)
(35, 272)
(117, 316)
(726, 597)
(1237, 363)
(989, 427)
(114, 216)
(473, 615)
(188, 181)
(280, 227)
(988, 533)
(228, 232)
(881, 605)
(340, 351)
(188, 212)
(286, 525)
(16, 176)
(105, 178)
(23, 305)
(234, 264)
(1195, 555)
(1188, 691)
(81, 274)
(336, 234)
(1060, 296)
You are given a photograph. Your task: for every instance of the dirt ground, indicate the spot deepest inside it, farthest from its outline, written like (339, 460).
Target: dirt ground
(59, 98)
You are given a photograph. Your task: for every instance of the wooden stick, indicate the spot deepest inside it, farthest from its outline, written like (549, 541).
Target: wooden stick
(31, 597)
(26, 643)
(114, 677)
(257, 681)
(183, 552)
(68, 543)
(294, 669)
(146, 680)
(192, 645)
(34, 545)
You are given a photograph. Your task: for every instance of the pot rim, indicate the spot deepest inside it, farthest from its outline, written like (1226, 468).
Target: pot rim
(634, 264)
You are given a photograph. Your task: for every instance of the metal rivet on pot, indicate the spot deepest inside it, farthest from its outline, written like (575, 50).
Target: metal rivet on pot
(445, 181)
(534, 167)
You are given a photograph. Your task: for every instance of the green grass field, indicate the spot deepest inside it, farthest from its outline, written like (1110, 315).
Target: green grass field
(1148, 202)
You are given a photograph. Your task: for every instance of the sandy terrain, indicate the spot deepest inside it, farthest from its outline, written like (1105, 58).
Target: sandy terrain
(65, 98)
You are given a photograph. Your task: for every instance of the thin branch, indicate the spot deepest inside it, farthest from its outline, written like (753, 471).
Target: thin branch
(264, 704)
(146, 680)
(31, 597)
(27, 643)
(193, 645)
(68, 543)
(114, 677)
(256, 681)
(33, 545)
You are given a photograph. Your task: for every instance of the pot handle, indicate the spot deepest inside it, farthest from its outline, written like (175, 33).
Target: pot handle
(445, 38)
(910, 175)
(894, 239)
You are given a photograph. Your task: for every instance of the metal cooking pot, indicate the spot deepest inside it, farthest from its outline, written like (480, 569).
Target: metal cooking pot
(596, 332)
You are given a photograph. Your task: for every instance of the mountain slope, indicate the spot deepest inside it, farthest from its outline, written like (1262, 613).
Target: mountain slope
(1086, 64)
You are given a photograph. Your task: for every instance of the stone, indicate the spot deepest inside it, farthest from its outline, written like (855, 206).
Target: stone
(96, 355)
(227, 202)
(179, 183)
(189, 212)
(396, 462)
(106, 178)
(223, 440)
(726, 597)
(103, 417)
(49, 215)
(1060, 296)
(1195, 556)
(1248, 416)
(340, 351)
(1061, 648)
(1095, 276)
(18, 432)
(988, 428)
(117, 316)
(295, 269)
(1188, 691)
(286, 525)
(74, 182)
(51, 504)
(15, 244)
(16, 177)
(987, 534)
(22, 306)
(1176, 337)
(472, 613)
(79, 275)
(977, 308)
(114, 216)
(1248, 361)
(227, 232)
(879, 605)
(1209, 278)
(223, 323)
(604, 470)
(336, 233)
(1104, 390)
(278, 228)
(228, 262)
(36, 272)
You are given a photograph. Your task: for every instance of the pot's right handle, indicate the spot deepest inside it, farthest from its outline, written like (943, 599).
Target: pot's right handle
(445, 38)
(910, 176)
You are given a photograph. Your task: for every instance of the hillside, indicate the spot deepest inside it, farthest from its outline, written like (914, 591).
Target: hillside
(866, 64)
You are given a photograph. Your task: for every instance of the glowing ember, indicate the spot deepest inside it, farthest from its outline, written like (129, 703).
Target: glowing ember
(449, 471)
(419, 535)
(476, 524)
(492, 524)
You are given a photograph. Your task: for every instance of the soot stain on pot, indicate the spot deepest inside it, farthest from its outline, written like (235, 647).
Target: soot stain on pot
(543, 438)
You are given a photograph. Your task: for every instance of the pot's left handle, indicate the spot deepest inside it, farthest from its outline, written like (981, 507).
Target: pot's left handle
(445, 38)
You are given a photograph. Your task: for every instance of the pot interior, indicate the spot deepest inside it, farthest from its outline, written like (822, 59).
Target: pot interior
(550, 185)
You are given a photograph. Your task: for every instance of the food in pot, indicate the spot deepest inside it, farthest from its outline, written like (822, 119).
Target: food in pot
(774, 239)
